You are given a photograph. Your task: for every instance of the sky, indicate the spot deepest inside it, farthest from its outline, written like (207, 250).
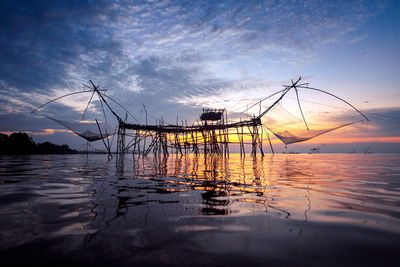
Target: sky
(173, 58)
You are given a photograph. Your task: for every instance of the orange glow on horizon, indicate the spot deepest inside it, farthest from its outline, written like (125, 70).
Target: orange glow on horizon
(44, 132)
(383, 139)
(51, 131)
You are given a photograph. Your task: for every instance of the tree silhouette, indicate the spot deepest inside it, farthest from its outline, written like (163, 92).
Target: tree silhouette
(20, 143)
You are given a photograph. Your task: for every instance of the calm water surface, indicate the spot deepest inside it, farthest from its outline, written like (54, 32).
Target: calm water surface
(290, 210)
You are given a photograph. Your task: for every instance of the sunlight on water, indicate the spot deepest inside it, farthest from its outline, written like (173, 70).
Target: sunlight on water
(201, 210)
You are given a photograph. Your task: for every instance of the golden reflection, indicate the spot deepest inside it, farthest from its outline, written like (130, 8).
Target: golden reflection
(225, 184)
(299, 187)
(290, 186)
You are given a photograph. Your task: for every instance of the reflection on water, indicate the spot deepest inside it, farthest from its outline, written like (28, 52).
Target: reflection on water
(272, 210)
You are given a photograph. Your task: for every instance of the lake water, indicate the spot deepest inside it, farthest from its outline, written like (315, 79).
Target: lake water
(282, 210)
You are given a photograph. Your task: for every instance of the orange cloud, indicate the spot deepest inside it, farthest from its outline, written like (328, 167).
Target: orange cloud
(51, 131)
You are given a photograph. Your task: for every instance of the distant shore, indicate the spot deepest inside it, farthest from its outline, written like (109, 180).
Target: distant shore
(21, 144)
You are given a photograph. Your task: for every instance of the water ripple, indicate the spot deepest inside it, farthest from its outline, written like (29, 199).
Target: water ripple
(195, 203)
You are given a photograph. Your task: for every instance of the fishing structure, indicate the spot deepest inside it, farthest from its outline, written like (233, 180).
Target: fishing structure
(211, 134)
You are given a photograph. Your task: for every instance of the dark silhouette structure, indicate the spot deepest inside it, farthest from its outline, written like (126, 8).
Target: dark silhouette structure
(211, 135)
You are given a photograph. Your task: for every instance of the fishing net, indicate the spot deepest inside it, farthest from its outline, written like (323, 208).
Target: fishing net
(295, 136)
(89, 131)
(316, 114)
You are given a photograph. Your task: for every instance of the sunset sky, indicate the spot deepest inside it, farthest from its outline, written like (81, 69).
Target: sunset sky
(176, 57)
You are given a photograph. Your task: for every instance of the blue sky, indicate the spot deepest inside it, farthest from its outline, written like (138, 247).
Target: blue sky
(177, 56)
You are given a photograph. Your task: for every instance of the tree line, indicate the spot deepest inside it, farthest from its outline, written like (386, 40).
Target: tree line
(21, 144)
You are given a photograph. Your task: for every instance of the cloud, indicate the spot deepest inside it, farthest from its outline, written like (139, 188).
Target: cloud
(383, 126)
(230, 94)
(164, 54)
(40, 40)
(58, 44)
(276, 26)
(84, 27)
(51, 131)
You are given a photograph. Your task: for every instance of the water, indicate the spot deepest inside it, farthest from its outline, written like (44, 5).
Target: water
(307, 210)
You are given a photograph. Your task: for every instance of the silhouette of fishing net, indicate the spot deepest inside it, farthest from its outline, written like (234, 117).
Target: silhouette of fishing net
(89, 131)
(290, 136)
(293, 125)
